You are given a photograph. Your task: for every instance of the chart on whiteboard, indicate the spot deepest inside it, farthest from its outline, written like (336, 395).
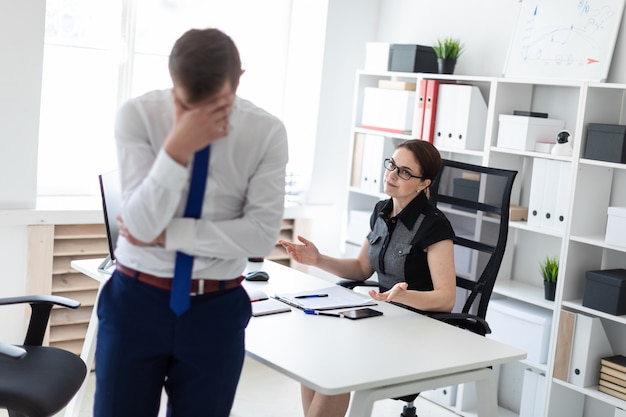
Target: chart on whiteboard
(567, 39)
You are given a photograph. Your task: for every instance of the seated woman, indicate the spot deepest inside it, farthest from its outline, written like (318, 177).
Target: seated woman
(409, 246)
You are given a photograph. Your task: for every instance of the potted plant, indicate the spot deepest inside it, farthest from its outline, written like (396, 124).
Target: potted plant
(447, 51)
(549, 270)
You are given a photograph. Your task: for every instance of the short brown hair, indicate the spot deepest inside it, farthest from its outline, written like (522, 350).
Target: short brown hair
(426, 155)
(202, 60)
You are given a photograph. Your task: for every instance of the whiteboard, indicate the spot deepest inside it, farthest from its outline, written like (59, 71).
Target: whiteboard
(566, 39)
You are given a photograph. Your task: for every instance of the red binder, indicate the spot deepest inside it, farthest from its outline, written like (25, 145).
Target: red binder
(418, 126)
(430, 110)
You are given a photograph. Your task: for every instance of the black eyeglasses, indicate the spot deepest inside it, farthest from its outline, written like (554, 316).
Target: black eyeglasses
(403, 173)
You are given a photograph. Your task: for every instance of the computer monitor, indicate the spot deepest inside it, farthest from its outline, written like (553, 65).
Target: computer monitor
(111, 192)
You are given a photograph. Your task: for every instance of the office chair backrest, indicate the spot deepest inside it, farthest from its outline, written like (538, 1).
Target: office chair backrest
(476, 200)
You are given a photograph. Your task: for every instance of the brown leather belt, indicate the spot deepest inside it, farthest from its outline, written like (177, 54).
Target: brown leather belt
(198, 286)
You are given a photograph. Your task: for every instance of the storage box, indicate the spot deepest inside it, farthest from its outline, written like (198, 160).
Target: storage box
(467, 189)
(544, 147)
(616, 226)
(518, 213)
(522, 132)
(605, 290)
(521, 325)
(606, 142)
(412, 58)
(388, 110)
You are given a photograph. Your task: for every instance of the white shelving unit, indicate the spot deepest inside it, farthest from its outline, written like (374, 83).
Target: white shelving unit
(578, 241)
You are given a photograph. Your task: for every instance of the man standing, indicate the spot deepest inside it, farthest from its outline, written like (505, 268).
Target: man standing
(159, 325)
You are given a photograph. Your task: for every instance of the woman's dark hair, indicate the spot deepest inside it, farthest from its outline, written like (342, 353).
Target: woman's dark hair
(427, 156)
(202, 60)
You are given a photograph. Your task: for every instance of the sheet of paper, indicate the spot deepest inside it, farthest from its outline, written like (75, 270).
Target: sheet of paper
(332, 298)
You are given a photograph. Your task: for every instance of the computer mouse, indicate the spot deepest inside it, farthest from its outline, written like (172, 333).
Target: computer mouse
(257, 276)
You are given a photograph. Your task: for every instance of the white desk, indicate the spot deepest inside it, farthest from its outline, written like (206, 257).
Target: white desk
(397, 354)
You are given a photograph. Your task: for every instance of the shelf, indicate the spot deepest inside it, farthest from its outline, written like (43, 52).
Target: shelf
(578, 306)
(605, 164)
(542, 367)
(531, 154)
(523, 292)
(522, 225)
(459, 151)
(545, 82)
(597, 240)
(447, 209)
(420, 75)
(594, 393)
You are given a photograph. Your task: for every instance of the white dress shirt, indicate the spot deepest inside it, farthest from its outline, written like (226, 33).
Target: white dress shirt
(244, 197)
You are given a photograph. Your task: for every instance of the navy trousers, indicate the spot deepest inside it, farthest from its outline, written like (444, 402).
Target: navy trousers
(142, 347)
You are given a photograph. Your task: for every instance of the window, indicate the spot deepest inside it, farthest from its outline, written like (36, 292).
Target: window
(98, 54)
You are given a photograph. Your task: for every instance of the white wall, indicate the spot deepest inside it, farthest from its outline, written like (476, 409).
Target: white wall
(13, 244)
(350, 24)
(21, 43)
(484, 26)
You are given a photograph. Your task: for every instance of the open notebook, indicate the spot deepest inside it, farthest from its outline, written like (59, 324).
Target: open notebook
(263, 305)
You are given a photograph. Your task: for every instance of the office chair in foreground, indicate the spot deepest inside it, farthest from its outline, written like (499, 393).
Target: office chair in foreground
(36, 380)
(476, 200)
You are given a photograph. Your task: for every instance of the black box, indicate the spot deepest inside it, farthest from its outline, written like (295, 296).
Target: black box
(606, 142)
(605, 291)
(412, 58)
(467, 190)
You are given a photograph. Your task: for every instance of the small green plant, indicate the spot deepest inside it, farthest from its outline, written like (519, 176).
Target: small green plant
(549, 268)
(448, 48)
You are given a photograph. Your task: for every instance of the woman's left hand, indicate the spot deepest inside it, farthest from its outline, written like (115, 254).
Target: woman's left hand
(396, 293)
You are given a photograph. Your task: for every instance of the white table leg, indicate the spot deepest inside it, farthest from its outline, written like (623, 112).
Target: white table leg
(487, 395)
(363, 401)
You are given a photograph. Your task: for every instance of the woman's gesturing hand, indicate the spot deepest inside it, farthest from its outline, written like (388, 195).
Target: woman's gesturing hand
(305, 253)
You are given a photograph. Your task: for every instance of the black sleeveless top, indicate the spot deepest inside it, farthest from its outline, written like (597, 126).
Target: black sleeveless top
(397, 245)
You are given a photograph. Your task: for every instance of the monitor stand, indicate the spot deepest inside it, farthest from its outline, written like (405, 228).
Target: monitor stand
(107, 266)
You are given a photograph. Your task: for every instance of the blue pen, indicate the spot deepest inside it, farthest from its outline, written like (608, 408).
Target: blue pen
(320, 313)
(311, 296)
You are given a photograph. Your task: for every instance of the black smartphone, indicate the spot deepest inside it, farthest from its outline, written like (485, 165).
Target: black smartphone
(360, 313)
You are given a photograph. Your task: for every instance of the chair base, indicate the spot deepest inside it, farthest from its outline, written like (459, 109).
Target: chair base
(409, 411)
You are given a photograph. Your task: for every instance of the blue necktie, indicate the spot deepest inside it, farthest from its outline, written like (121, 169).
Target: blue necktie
(181, 287)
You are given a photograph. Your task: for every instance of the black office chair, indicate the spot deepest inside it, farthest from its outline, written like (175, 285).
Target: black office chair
(476, 200)
(36, 380)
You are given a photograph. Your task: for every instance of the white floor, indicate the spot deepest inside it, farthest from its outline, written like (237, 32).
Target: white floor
(263, 392)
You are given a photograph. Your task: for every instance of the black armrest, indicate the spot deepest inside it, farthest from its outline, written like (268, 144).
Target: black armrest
(41, 306)
(41, 299)
(13, 352)
(466, 321)
(351, 284)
